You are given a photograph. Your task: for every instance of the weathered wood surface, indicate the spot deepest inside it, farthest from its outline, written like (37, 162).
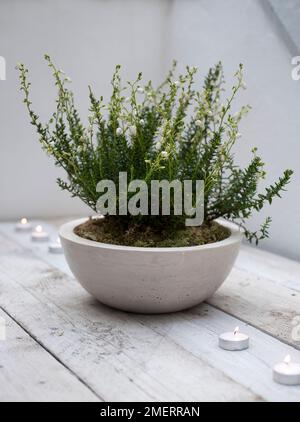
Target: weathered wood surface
(30, 373)
(122, 356)
(273, 267)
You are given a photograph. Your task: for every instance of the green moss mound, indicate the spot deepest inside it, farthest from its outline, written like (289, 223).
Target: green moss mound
(112, 232)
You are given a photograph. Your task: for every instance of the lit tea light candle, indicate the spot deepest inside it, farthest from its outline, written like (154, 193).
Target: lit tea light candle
(287, 372)
(56, 247)
(39, 235)
(23, 225)
(234, 340)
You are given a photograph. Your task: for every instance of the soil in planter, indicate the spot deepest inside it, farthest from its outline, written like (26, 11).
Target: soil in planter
(106, 230)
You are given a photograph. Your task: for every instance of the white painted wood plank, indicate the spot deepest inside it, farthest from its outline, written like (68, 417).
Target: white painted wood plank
(123, 350)
(113, 352)
(30, 373)
(270, 266)
(38, 249)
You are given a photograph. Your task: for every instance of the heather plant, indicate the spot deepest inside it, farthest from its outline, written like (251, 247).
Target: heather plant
(171, 132)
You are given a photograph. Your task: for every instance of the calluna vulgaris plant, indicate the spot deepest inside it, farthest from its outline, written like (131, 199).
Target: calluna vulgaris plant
(170, 132)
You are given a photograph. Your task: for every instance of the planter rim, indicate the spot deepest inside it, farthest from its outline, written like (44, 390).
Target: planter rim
(66, 231)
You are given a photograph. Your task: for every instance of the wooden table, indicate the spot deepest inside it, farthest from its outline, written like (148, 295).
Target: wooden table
(62, 345)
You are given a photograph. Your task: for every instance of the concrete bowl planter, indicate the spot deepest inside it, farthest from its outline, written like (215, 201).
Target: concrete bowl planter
(149, 280)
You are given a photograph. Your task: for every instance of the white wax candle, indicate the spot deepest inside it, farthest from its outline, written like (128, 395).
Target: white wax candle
(234, 340)
(23, 225)
(39, 235)
(287, 372)
(56, 247)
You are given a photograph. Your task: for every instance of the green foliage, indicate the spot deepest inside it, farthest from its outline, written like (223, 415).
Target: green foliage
(172, 132)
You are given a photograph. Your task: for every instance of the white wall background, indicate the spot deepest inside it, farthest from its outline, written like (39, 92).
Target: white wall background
(88, 37)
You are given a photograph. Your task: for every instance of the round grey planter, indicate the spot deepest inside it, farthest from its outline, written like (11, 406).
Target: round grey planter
(149, 280)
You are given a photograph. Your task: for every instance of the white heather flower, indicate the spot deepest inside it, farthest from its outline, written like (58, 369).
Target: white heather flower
(238, 135)
(176, 83)
(142, 122)
(140, 90)
(127, 100)
(243, 85)
(210, 113)
(132, 130)
(148, 161)
(119, 131)
(200, 123)
(67, 79)
(158, 146)
(164, 154)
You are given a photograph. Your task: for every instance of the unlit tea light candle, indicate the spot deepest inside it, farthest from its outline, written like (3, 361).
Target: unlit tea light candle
(287, 372)
(39, 235)
(23, 225)
(56, 247)
(234, 340)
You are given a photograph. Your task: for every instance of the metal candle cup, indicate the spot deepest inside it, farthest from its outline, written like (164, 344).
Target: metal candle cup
(23, 225)
(38, 235)
(56, 247)
(287, 372)
(234, 340)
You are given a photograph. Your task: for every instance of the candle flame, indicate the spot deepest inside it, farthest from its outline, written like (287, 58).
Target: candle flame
(23, 220)
(39, 229)
(287, 359)
(236, 330)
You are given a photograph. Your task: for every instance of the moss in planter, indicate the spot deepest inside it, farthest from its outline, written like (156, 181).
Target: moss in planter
(109, 230)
